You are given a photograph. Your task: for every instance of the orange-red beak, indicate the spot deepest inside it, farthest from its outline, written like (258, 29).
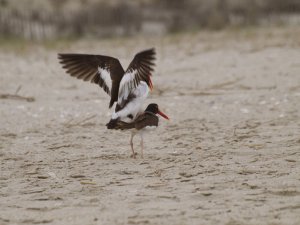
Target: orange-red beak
(150, 83)
(163, 115)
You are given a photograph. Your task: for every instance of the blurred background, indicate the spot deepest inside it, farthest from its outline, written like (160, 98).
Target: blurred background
(67, 19)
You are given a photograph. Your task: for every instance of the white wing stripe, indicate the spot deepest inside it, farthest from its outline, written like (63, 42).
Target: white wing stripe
(134, 106)
(125, 85)
(105, 75)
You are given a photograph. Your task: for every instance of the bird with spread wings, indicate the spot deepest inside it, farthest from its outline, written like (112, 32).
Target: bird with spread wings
(128, 89)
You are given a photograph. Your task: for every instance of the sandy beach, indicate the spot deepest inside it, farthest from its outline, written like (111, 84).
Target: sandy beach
(230, 153)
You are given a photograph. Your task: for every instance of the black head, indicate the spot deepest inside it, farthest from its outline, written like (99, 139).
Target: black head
(153, 107)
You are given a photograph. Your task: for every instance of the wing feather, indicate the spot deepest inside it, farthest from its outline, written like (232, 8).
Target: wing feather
(139, 69)
(147, 119)
(105, 71)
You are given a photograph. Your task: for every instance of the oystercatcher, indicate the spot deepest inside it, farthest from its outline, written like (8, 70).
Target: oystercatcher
(143, 122)
(127, 88)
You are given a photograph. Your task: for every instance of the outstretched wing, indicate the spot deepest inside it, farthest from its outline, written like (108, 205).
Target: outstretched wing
(105, 71)
(138, 70)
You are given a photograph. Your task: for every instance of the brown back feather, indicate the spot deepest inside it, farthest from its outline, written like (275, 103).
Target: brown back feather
(142, 121)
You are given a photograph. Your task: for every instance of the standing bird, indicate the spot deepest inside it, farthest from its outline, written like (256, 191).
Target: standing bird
(127, 88)
(143, 122)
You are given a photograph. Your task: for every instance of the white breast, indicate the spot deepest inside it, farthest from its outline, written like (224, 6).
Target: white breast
(149, 129)
(134, 107)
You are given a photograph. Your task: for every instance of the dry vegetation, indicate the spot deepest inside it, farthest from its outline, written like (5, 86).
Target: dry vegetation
(51, 19)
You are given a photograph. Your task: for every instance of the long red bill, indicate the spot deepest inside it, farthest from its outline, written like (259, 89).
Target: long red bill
(163, 115)
(150, 84)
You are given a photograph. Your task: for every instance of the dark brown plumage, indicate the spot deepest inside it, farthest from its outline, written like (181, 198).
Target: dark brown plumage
(144, 120)
(143, 63)
(91, 67)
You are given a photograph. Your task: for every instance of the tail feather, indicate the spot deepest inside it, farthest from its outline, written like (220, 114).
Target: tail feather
(119, 125)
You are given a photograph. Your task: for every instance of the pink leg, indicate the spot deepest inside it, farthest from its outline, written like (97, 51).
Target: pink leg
(142, 146)
(131, 144)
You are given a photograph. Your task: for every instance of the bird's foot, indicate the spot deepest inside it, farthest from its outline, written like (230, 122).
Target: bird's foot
(133, 155)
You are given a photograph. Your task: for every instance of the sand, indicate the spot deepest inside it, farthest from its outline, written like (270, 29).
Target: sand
(229, 155)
